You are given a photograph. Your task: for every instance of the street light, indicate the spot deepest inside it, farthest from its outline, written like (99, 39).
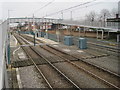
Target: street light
(34, 28)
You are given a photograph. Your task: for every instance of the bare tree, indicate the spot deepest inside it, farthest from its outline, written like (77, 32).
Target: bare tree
(113, 12)
(105, 14)
(100, 20)
(91, 16)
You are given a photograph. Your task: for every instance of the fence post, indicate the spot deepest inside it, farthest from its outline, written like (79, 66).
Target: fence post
(118, 38)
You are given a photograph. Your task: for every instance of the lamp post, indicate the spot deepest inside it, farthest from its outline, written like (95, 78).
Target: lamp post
(71, 15)
(34, 28)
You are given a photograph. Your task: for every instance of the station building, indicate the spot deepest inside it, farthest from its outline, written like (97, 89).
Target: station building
(114, 23)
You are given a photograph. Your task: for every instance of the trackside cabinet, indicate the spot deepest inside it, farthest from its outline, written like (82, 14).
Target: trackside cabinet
(68, 40)
(82, 43)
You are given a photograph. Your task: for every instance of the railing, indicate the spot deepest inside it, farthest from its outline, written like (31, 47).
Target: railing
(3, 45)
(60, 39)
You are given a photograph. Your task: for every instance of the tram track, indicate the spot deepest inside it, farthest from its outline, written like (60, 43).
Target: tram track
(70, 83)
(103, 48)
(58, 53)
(86, 69)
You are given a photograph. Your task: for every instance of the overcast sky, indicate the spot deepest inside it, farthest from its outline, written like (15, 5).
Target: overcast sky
(26, 8)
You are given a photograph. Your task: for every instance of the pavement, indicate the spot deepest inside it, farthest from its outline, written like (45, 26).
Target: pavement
(47, 41)
(13, 41)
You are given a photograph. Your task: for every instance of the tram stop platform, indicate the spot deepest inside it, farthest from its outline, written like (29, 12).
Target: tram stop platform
(19, 76)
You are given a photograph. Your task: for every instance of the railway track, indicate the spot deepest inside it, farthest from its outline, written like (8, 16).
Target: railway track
(67, 82)
(109, 74)
(77, 57)
(109, 80)
(103, 48)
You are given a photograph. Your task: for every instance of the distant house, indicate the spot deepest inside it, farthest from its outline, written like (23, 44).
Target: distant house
(46, 25)
(114, 23)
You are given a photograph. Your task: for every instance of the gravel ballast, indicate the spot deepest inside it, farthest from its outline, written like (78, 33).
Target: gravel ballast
(30, 78)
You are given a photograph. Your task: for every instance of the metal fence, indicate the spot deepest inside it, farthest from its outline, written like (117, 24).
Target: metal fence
(3, 45)
(60, 38)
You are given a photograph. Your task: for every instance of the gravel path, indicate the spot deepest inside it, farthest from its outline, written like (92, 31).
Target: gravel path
(30, 78)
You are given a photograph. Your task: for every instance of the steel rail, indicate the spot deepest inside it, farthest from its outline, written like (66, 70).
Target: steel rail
(41, 55)
(36, 66)
(88, 62)
(107, 47)
(39, 70)
(107, 82)
(87, 70)
(53, 67)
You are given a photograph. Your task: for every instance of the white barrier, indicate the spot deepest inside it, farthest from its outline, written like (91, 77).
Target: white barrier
(3, 38)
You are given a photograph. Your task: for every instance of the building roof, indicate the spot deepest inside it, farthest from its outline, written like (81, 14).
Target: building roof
(113, 20)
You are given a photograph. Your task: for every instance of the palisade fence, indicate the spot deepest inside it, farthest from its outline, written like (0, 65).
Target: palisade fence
(60, 38)
(3, 49)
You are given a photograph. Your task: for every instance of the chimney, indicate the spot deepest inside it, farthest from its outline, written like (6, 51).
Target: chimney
(117, 15)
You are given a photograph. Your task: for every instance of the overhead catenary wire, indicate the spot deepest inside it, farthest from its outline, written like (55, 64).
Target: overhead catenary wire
(42, 7)
(85, 7)
(71, 8)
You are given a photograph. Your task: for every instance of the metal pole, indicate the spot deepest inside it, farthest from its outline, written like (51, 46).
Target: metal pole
(118, 38)
(58, 31)
(8, 48)
(34, 39)
(62, 14)
(84, 31)
(71, 15)
(97, 34)
(102, 34)
(34, 28)
(67, 30)
(104, 20)
(70, 30)
(108, 34)
(79, 31)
